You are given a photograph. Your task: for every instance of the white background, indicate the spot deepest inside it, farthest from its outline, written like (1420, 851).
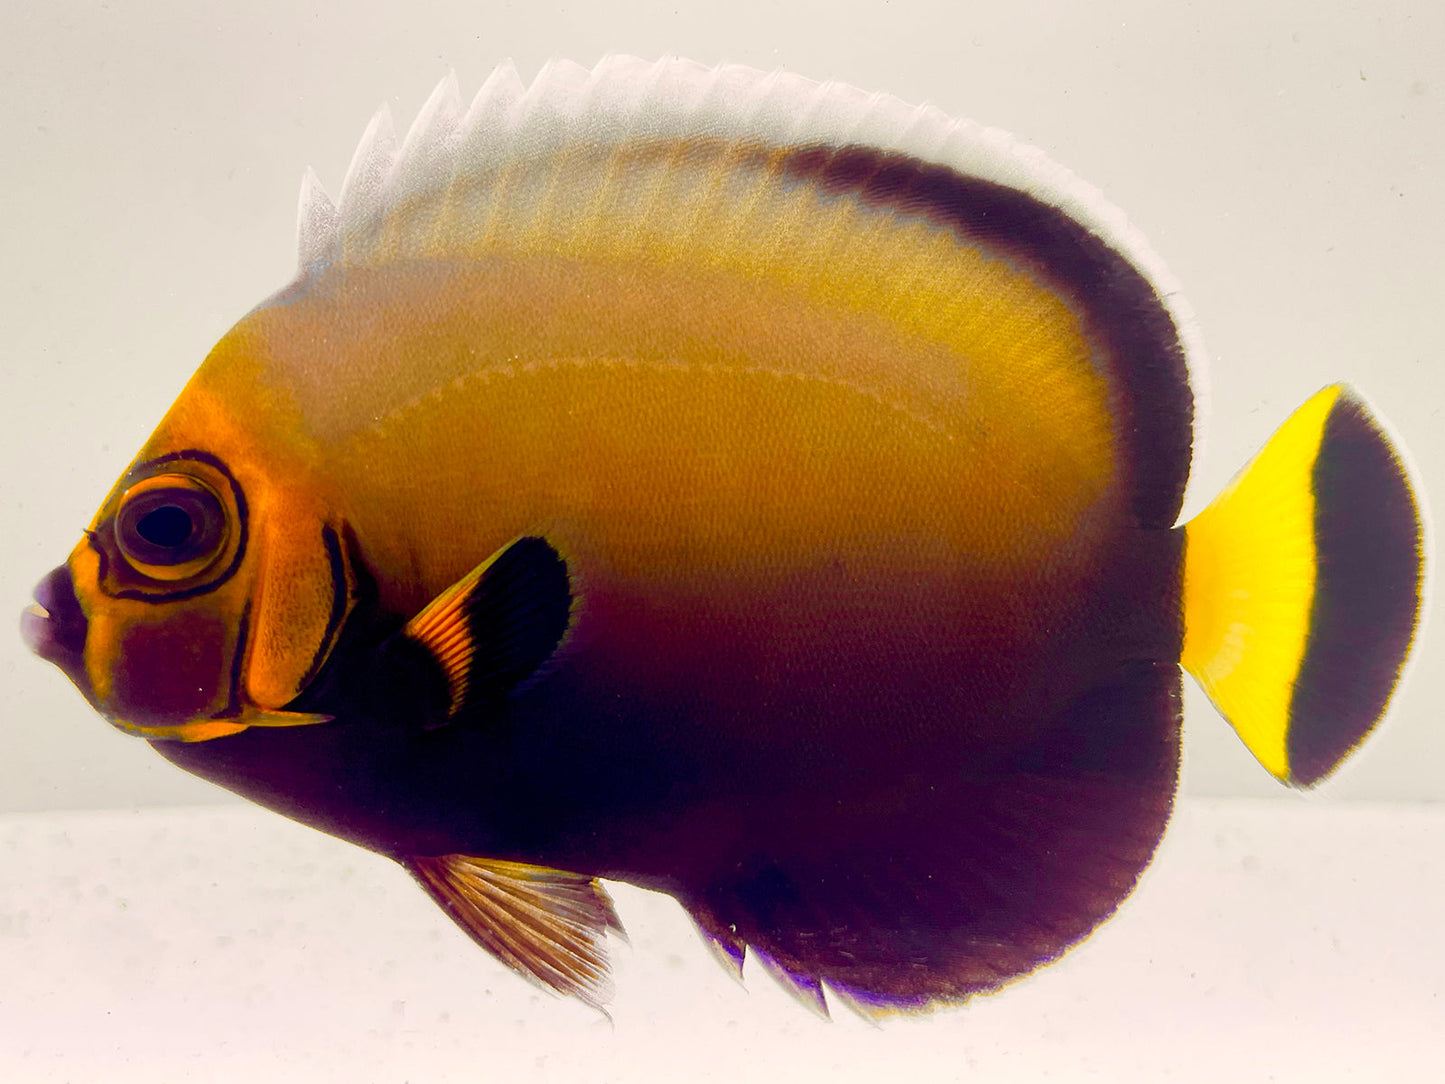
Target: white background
(1285, 159)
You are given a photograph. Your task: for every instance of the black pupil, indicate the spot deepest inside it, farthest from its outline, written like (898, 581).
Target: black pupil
(167, 526)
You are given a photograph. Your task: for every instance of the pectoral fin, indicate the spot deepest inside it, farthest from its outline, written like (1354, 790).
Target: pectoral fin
(493, 628)
(545, 924)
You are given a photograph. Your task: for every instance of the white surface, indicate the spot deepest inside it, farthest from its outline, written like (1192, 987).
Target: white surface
(1286, 160)
(1284, 941)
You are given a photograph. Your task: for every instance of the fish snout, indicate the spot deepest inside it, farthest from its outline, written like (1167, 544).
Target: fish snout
(54, 626)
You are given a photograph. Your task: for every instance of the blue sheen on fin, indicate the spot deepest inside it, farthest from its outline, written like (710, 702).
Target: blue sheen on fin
(870, 1008)
(804, 990)
(727, 949)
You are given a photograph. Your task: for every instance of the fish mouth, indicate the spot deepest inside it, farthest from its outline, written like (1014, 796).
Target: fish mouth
(54, 626)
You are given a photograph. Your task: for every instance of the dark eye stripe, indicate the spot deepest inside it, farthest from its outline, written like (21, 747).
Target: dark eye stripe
(238, 662)
(340, 604)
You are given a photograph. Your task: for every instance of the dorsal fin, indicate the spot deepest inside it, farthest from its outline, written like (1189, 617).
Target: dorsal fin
(316, 220)
(365, 191)
(817, 193)
(547, 925)
(627, 100)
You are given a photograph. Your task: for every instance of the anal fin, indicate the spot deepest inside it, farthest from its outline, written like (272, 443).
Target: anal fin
(963, 877)
(547, 925)
(803, 989)
(726, 946)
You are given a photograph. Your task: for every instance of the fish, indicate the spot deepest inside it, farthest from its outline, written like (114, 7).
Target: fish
(756, 490)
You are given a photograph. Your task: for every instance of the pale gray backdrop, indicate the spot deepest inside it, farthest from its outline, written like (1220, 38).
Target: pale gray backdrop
(1286, 160)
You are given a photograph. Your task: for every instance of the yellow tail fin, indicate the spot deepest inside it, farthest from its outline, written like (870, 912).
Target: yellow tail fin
(1302, 588)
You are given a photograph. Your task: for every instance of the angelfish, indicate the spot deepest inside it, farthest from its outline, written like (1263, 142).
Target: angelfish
(742, 487)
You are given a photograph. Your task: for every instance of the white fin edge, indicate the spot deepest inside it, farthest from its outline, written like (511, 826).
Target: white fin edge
(626, 98)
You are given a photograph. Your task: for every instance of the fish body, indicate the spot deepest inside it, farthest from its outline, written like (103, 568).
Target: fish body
(752, 490)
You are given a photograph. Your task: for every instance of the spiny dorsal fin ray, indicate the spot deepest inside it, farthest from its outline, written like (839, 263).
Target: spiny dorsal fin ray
(316, 222)
(364, 192)
(492, 629)
(547, 925)
(424, 147)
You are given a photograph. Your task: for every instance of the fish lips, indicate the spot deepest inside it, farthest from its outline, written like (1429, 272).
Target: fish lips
(54, 627)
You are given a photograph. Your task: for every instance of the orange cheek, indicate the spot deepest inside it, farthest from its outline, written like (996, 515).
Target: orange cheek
(171, 672)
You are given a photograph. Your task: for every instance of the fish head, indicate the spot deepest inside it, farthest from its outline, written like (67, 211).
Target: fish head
(209, 586)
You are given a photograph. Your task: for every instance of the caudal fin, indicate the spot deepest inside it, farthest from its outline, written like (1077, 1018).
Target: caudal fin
(1302, 588)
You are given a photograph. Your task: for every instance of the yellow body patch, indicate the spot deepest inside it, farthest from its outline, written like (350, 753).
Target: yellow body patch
(1249, 584)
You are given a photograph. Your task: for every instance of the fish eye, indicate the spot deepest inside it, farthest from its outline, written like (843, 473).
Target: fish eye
(170, 526)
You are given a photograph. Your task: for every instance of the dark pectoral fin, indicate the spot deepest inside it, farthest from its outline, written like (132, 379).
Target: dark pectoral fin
(492, 629)
(545, 924)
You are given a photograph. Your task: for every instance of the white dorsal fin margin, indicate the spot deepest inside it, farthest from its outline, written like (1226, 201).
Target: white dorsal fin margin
(625, 98)
(426, 161)
(316, 220)
(361, 207)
